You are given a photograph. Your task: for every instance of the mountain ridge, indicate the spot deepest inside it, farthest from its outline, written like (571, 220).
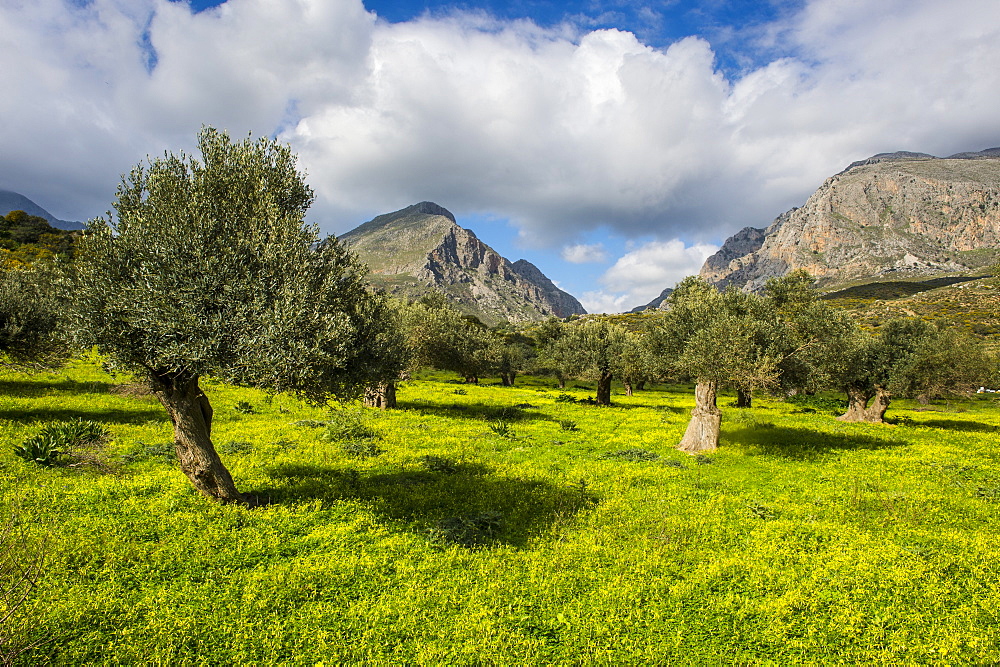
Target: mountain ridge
(897, 213)
(15, 201)
(421, 248)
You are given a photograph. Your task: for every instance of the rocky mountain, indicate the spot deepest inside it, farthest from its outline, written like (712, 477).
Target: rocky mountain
(655, 303)
(894, 214)
(13, 201)
(422, 248)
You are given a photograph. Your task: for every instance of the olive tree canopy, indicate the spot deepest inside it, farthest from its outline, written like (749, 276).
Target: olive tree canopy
(716, 338)
(207, 268)
(30, 316)
(909, 357)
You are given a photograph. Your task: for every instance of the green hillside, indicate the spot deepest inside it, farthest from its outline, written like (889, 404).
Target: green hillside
(972, 302)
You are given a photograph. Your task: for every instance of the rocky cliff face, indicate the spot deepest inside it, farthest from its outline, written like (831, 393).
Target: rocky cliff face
(899, 214)
(744, 242)
(421, 248)
(657, 303)
(562, 303)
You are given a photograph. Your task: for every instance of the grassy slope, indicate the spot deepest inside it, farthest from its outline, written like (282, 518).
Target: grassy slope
(973, 304)
(803, 540)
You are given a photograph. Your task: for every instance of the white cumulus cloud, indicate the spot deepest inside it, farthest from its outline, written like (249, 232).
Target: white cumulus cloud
(562, 131)
(92, 88)
(585, 253)
(641, 274)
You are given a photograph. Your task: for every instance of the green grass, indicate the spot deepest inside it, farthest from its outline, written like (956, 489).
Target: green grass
(972, 303)
(802, 540)
(895, 289)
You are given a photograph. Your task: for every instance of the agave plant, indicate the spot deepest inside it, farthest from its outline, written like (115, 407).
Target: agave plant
(55, 441)
(43, 449)
(502, 428)
(76, 432)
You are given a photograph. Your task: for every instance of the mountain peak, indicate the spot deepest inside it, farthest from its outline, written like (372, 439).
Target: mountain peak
(905, 156)
(897, 214)
(15, 201)
(421, 248)
(424, 208)
(430, 208)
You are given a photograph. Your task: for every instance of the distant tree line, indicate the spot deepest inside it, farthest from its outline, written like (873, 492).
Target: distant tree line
(784, 341)
(26, 238)
(206, 268)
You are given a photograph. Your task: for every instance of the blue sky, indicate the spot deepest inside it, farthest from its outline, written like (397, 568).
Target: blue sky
(613, 144)
(657, 23)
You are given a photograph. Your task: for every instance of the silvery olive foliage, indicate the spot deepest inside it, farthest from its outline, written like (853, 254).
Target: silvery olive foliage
(30, 316)
(206, 267)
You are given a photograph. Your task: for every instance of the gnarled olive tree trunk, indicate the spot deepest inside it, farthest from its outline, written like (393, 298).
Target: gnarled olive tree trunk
(604, 388)
(702, 432)
(744, 399)
(876, 411)
(858, 408)
(191, 414)
(381, 396)
(857, 403)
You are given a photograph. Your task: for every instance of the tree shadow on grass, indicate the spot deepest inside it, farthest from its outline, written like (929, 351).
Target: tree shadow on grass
(478, 411)
(51, 411)
(957, 425)
(648, 406)
(30, 415)
(41, 387)
(801, 443)
(468, 507)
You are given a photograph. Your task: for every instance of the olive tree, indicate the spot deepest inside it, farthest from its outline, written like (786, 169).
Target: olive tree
(550, 355)
(813, 334)
(948, 362)
(393, 344)
(511, 352)
(594, 349)
(634, 366)
(907, 357)
(717, 339)
(439, 336)
(206, 268)
(30, 316)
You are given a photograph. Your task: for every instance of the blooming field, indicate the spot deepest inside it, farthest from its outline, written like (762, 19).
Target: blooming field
(492, 525)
